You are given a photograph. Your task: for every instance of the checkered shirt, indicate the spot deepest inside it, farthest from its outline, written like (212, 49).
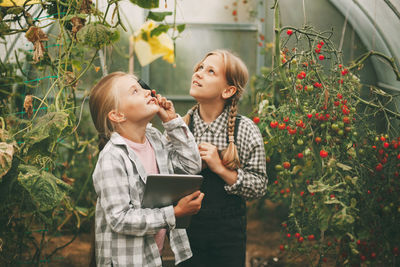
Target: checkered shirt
(125, 231)
(252, 176)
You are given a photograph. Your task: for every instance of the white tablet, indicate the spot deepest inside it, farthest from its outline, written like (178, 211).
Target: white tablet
(167, 189)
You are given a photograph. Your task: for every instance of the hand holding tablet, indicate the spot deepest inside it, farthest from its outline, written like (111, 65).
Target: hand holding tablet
(180, 190)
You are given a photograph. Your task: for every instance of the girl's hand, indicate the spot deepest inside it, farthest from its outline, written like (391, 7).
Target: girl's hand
(189, 205)
(209, 154)
(167, 110)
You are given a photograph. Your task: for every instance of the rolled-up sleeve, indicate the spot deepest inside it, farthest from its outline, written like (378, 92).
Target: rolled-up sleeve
(182, 147)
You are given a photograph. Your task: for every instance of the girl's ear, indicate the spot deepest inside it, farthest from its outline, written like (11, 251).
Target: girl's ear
(116, 116)
(229, 91)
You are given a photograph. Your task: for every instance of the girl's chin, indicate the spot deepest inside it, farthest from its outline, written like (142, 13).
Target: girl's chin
(193, 93)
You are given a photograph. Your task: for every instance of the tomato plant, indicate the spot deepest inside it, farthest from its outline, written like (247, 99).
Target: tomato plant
(322, 144)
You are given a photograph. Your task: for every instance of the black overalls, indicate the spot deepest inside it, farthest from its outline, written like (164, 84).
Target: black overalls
(217, 234)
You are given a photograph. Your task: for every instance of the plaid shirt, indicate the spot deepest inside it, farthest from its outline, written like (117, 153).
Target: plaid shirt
(252, 176)
(124, 231)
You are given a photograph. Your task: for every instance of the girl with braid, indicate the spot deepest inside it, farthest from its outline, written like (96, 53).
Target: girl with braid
(233, 158)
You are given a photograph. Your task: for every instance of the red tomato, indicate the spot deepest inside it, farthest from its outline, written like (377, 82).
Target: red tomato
(286, 165)
(256, 120)
(323, 153)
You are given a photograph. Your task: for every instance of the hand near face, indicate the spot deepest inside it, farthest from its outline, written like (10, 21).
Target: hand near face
(209, 154)
(167, 110)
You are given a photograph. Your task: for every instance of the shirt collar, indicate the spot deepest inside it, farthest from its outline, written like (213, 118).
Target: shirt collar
(117, 139)
(216, 127)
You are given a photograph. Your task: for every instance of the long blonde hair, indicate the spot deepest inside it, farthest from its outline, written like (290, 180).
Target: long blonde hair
(237, 75)
(103, 99)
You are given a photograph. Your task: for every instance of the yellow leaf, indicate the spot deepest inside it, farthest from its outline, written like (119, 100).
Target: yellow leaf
(154, 46)
(9, 3)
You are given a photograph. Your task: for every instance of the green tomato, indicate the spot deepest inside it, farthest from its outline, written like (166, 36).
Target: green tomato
(341, 124)
(340, 132)
(334, 126)
(300, 142)
(278, 167)
(386, 209)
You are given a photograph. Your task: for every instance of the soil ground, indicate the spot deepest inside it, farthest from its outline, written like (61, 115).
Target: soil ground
(263, 240)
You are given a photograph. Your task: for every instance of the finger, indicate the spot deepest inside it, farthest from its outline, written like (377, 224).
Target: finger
(202, 146)
(193, 195)
(163, 100)
(200, 197)
(168, 104)
(158, 97)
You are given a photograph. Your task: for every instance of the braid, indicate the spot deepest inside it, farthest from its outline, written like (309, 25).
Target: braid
(230, 156)
(186, 118)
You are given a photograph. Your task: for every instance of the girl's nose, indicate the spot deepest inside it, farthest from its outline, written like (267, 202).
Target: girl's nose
(198, 74)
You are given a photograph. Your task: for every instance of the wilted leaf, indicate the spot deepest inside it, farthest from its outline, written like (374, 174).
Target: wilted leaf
(77, 24)
(45, 189)
(343, 166)
(36, 36)
(28, 106)
(6, 156)
(318, 186)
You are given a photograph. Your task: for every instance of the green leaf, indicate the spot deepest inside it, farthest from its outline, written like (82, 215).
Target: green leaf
(45, 132)
(45, 189)
(15, 10)
(69, 17)
(114, 37)
(77, 64)
(144, 36)
(181, 27)
(159, 30)
(158, 16)
(46, 127)
(146, 3)
(323, 217)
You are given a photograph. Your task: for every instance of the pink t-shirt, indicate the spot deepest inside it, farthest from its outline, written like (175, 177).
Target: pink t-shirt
(147, 157)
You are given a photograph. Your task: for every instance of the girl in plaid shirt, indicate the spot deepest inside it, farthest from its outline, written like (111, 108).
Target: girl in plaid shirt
(126, 233)
(232, 150)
